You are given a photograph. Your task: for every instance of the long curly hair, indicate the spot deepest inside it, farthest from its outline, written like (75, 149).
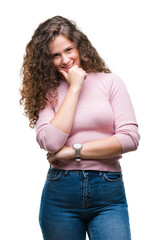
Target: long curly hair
(39, 75)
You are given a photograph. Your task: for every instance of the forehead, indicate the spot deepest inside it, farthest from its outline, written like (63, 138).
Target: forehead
(59, 44)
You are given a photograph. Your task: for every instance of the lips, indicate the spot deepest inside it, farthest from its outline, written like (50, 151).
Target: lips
(68, 66)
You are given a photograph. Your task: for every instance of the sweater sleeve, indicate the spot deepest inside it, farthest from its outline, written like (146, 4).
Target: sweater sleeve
(126, 127)
(49, 138)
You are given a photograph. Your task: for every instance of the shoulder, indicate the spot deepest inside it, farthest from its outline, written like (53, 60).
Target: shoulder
(110, 77)
(108, 80)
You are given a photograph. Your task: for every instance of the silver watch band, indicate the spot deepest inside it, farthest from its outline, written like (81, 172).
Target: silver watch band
(78, 155)
(77, 147)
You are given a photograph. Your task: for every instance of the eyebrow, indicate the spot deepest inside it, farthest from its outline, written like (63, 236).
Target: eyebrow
(53, 54)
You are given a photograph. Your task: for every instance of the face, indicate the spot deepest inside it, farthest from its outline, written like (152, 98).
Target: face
(64, 53)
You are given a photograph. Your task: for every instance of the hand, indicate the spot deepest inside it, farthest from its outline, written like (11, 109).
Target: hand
(75, 76)
(50, 158)
(63, 153)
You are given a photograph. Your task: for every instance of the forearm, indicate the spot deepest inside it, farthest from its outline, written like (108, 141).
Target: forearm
(64, 117)
(101, 149)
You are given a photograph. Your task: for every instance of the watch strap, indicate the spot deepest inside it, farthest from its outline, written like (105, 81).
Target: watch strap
(78, 155)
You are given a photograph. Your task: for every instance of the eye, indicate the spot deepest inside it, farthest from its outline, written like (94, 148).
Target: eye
(69, 49)
(54, 56)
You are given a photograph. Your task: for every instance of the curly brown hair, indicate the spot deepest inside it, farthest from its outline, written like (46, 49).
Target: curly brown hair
(39, 76)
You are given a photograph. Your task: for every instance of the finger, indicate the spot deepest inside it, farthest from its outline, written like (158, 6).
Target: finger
(50, 158)
(49, 155)
(53, 163)
(64, 73)
(75, 66)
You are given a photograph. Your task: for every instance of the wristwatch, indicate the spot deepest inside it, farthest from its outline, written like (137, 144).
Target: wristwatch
(77, 147)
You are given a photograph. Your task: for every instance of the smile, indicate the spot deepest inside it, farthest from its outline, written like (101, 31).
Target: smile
(68, 67)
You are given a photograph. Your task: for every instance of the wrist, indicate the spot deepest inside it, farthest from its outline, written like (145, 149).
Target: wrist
(77, 147)
(75, 89)
(68, 153)
(71, 152)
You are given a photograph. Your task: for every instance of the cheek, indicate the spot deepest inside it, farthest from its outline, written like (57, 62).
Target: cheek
(56, 63)
(77, 58)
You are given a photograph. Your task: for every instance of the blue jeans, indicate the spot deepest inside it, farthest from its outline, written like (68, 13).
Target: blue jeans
(75, 202)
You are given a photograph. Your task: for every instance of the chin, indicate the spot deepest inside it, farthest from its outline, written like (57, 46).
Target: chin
(67, 69)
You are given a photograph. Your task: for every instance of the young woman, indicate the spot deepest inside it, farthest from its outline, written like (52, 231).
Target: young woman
(85, 121)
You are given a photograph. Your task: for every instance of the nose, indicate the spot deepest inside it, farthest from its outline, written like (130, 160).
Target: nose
(65, 59)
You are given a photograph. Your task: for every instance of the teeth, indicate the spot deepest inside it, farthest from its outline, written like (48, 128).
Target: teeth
(68, 66)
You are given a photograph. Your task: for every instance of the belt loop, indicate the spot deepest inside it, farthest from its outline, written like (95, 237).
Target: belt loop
(83, 174)
(66, 172)
(100, 173)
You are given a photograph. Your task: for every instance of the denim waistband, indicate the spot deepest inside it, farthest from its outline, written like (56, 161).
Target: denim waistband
(79, 172)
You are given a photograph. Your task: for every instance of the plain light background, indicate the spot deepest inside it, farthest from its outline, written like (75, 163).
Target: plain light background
(126, 35)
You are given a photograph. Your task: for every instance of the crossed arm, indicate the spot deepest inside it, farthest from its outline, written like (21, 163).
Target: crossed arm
(100, 149)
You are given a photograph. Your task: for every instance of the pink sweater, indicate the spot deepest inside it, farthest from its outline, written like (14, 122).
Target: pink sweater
(104, 109)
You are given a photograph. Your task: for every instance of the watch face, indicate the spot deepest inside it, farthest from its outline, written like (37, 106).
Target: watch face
(77, 146)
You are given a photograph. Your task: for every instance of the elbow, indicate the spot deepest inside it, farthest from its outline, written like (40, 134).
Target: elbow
(53, 147)
(132, 143)
(129, 140)
(133, 146)
(136, 144)
(49, 146)
(51, 139)
(135, 138)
